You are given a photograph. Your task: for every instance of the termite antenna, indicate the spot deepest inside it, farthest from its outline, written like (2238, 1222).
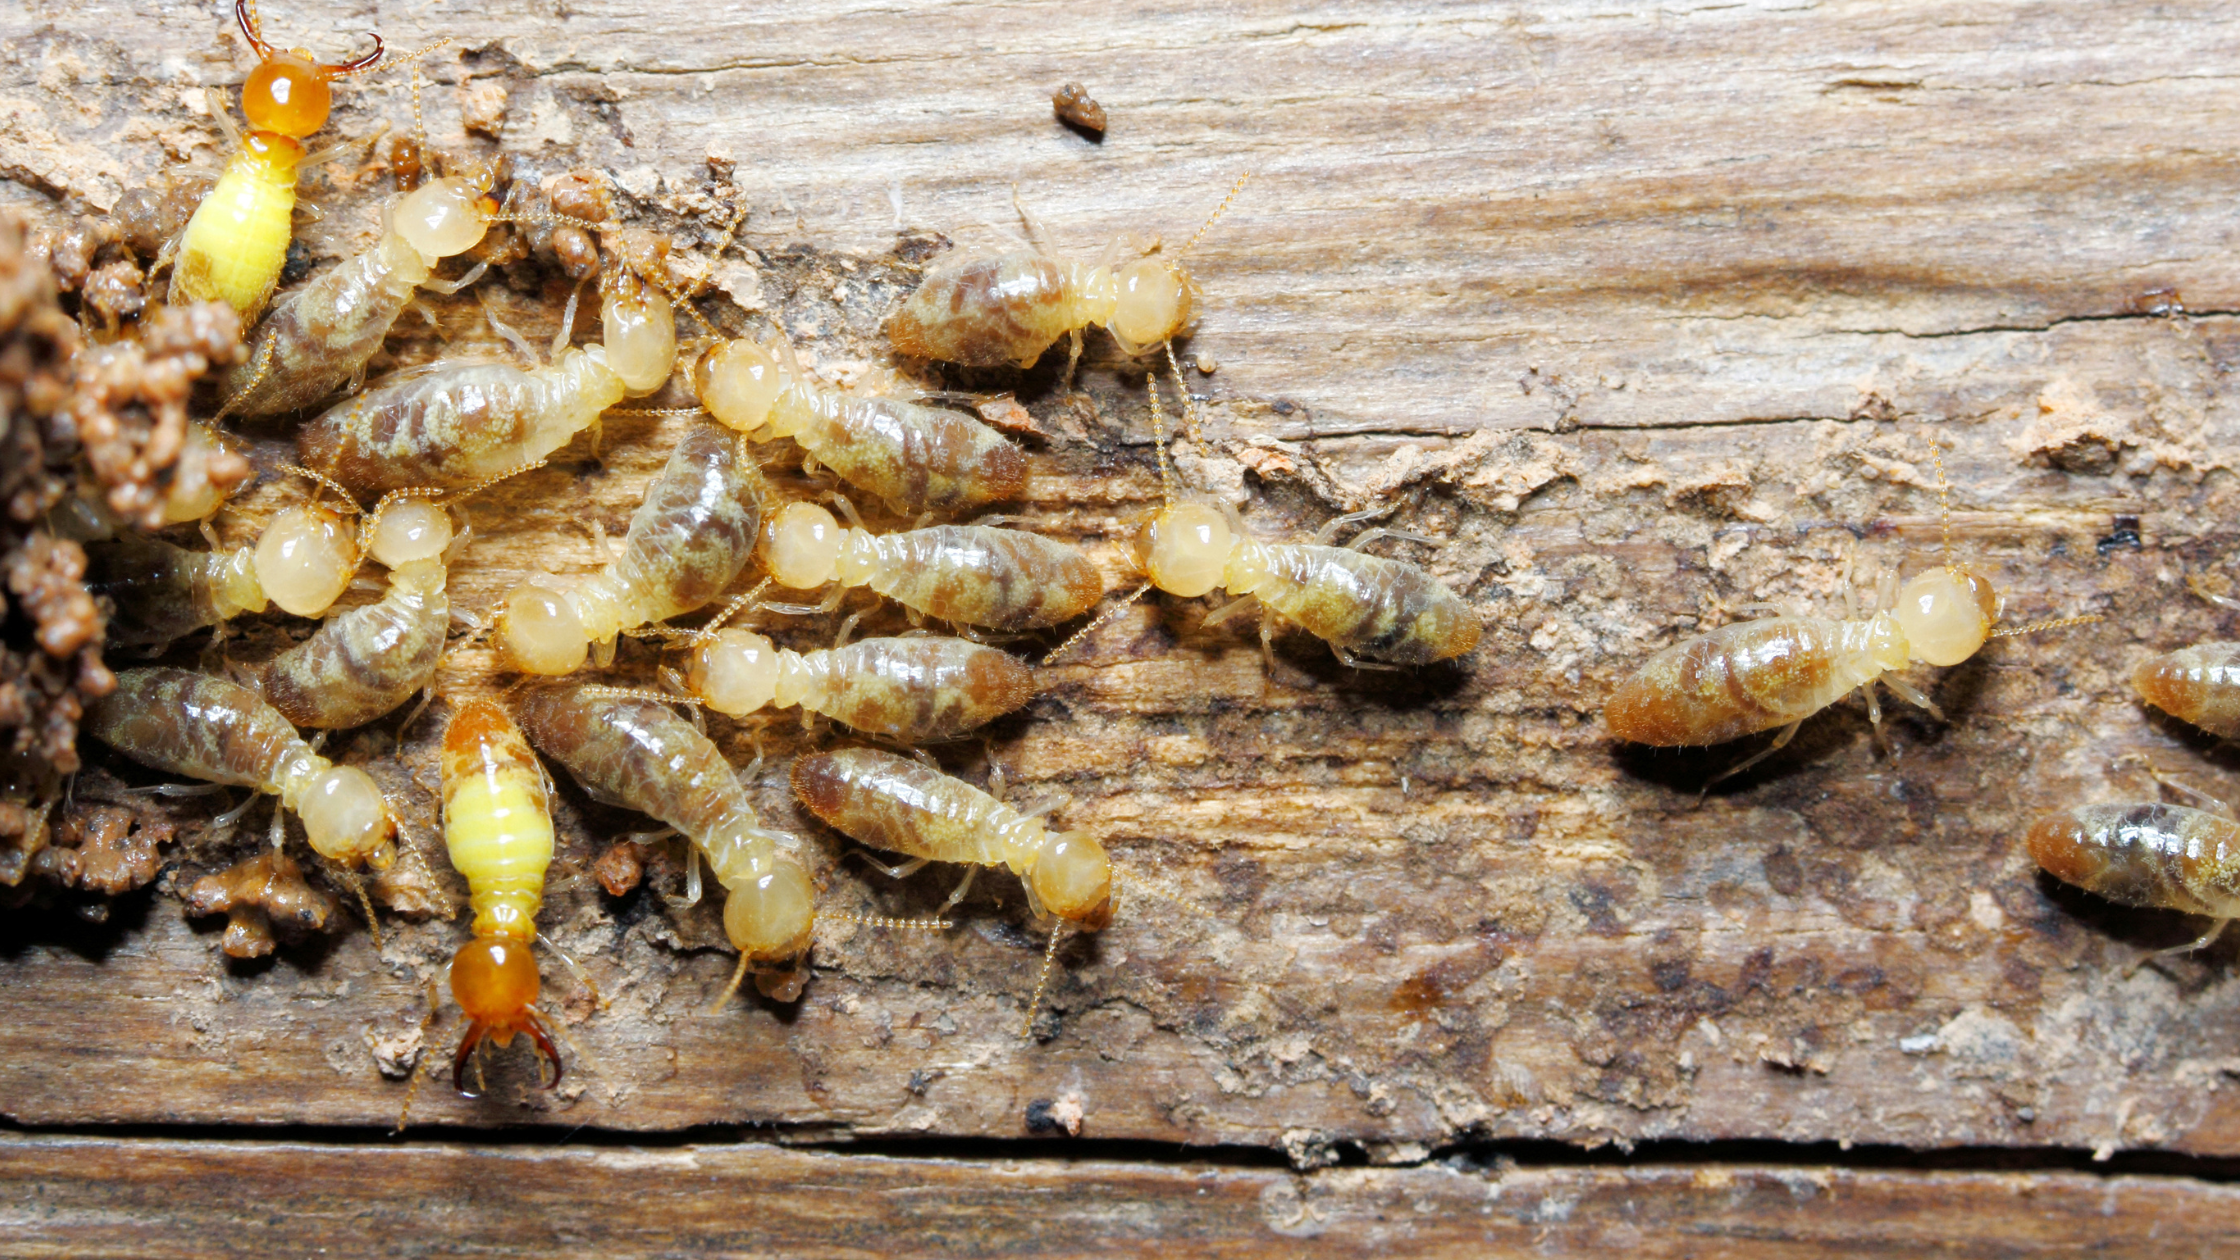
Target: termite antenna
(1042, 982)
(323, 480)
(1944, 505)
(738, 604)
(738, 977)
(365, 901)
(881, 921)
(426, 1064)
(640, 693)
(2083, 619)
(659, 412)
(1192, 419)
(1098, 623)
(1215, 217)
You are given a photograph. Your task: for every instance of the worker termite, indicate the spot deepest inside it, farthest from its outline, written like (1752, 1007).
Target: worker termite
(497, 825)
(988, 311)
(1363, 606)
(914, 690)
(1779, 670)
(692, 535)
(2156, 856)
(457, 422)
(904, 806)
(363, 663)
(323, 334)
(302, 561)
(973, 575)
(915, 458)
(2198, 684)
(234, 246)
(217, 731)
(635, 752)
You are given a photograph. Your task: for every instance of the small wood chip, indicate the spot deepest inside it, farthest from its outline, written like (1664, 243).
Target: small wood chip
(1074, 108)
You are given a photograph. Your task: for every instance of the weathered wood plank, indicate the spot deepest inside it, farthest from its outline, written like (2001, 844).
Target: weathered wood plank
(86, 1198)
(1742, 261)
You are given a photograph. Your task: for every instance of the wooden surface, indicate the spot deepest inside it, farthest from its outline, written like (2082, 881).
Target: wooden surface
(1649, 311)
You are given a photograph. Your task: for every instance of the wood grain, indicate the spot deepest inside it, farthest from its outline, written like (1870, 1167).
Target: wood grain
(1649, 311)
(91, 1197)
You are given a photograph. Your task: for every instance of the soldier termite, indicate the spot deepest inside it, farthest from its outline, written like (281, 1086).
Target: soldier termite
(235, 245)
(217, 731)
(322, 334)
(972, 575)
(915, 458)
(692, 535)
(497, 825)
(1777, 671)
(904, 806)
(914, 690)
(2198, 684)
(988, 311)
(2156, 856)
(635, 752)
(1388, 611)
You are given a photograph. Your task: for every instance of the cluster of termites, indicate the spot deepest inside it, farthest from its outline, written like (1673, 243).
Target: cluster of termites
(388, 468)
(387, 464)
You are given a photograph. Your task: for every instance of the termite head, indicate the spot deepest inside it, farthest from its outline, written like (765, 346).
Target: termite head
(495, 982)
(539, 632)
(639, 330)
(738, 382)
(1947, 615)
(801, 546)
(443, 217)
(305, 559)
(346, 819)
(409, 530)
(287, 93)
(769, 915)
(735, 671)
(1184, 549)
(1072, 879)
(1155, 304)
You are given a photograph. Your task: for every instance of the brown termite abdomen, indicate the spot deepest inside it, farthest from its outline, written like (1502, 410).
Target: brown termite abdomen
(2152, 855)
(207, 728)
(693, 534)
(917, 690)
(1006, 309)
(973, 575)
(363, 663)
(640, 754)
(323, 334)
(915, 458)
(2198, 684)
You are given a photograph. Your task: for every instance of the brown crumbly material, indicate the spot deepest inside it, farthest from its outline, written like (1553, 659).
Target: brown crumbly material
(621, 868)
(1074, 107)
(127, 408)
(109, 848)
(259, 895)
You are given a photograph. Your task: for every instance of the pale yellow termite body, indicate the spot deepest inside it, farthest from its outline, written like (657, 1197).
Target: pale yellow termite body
(915, 690)
(974, 575)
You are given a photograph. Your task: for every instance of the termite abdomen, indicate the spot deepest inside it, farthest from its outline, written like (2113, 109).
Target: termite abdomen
(2163, 856)
(2199, 684)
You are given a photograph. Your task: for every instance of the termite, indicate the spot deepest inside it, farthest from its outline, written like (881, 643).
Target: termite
(497, 824)
(905, 806)
(990, 310)
(915, 458)
(2198, 684)
(323, 334)
(455, 423)
(236, 243)
(302, 562)
(973, 575)
(913, 690)
(1777, 671)
(207, 728)
(2155, 856)
(363, 663)
(1373, 612)
(692, 535)
(640, 754)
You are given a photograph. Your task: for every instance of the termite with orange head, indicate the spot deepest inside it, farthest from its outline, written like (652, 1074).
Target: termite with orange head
(497, 825)
(1373, 612)
(635, 752)
(2154, 856)
(991, 310)
(1777, 671)
(235, 245)
(905, 806)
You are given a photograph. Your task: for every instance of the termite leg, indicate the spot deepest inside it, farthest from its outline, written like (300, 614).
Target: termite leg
(1780, 742)
(1874, 718)
(1367, 536)
(1350, 661)
(2214, 805)
(449, 287)
(1241, 604)
(2203, 941)
(1328, 534)
(964, 886)
(1913, 695)
(903, 871)
(1753, 611)
(582, 977)
(2222, 601)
